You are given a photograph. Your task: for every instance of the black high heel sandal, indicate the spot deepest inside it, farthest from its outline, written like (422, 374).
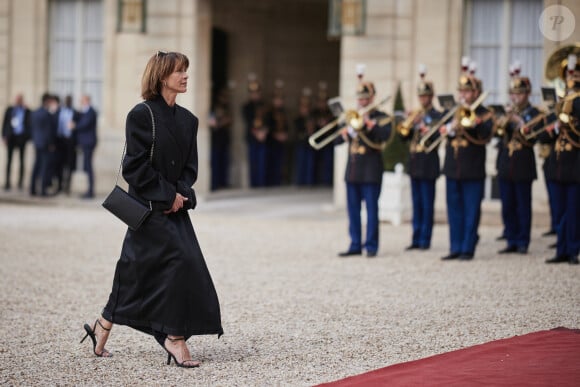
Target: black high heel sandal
(91, 334)
(184, 364)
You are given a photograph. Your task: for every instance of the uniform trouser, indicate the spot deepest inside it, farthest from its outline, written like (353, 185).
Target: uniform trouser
(516, 208)
(568, 195)
(258, 158)
(220, 161)
(305, 166)
(15, 142)
(325, 165)
(355, 194)
(463, 213)
(423, 196)
(555, 214)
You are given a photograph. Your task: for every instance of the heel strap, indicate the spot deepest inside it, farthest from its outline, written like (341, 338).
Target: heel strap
(101, 325)
(174, 339)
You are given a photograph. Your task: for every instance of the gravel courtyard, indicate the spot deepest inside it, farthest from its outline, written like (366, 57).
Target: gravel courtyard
(293, 312)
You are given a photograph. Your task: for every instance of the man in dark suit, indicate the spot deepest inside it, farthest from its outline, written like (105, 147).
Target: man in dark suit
(44, 123)
(364, 171)
(15, 134)
(85, 129)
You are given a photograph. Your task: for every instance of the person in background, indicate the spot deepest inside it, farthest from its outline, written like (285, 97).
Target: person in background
(254, 112)
(15, 134)
(305, 126)
(464, 165)
(277, 142)
(325, 157)
(516, 165)
(564, 163)
(65, 146)
(220, 123)
(423, 164)
(44, 123)
(85, 132)
(364, 171)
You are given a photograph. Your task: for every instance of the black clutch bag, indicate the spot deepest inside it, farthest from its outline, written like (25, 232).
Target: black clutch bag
(124, 206)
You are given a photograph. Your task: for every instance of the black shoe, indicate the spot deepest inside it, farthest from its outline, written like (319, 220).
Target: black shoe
(558, 259)
(553, 246)
(412, 247)
(522, 250)
(466, 257)
(573, 260)
(423, 248)
(500, 238)
(371, 254)
(450, 256)
(91, 333)
(88, 195)
(349, 253)
(187, 363)
(509, 249)
(549, 233)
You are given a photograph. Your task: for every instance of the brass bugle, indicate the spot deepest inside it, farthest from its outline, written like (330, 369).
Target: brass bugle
(351, 117)
(404, 128)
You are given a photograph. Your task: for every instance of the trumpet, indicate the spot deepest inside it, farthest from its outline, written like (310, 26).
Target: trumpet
(351, 117)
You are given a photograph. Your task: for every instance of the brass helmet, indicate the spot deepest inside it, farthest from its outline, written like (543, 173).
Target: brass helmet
(518, 84)
(467, 80)
(365, 89)
(424, 87)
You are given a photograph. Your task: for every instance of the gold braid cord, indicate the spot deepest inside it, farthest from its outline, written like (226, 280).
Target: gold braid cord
(382, 145)
(474, 140)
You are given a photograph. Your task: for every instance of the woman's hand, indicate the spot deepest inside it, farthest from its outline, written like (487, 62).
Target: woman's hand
(177, 203)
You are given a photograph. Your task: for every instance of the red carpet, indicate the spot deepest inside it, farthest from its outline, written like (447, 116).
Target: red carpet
(545, 358)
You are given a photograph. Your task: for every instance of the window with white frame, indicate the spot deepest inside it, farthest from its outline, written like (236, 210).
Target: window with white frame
(76, 49)
(499, 32)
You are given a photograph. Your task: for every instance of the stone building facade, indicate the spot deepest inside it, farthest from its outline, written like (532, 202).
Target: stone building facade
(100, 47)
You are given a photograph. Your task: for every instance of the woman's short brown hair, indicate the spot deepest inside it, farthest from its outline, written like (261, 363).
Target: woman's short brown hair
(159, 67)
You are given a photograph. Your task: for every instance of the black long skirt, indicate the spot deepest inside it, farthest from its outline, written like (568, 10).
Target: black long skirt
(162, 284)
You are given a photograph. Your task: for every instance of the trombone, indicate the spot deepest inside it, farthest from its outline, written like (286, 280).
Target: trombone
(466, 116)
(351, 117)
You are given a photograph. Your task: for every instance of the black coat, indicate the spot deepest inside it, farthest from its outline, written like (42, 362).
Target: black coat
(516, 160)
(161, 282)
(465, 160)
(423, 165)
(44, 126)
(365, 164)
(86, 127)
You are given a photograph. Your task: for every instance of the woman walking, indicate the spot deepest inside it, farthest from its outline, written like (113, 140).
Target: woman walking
(161, 286)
